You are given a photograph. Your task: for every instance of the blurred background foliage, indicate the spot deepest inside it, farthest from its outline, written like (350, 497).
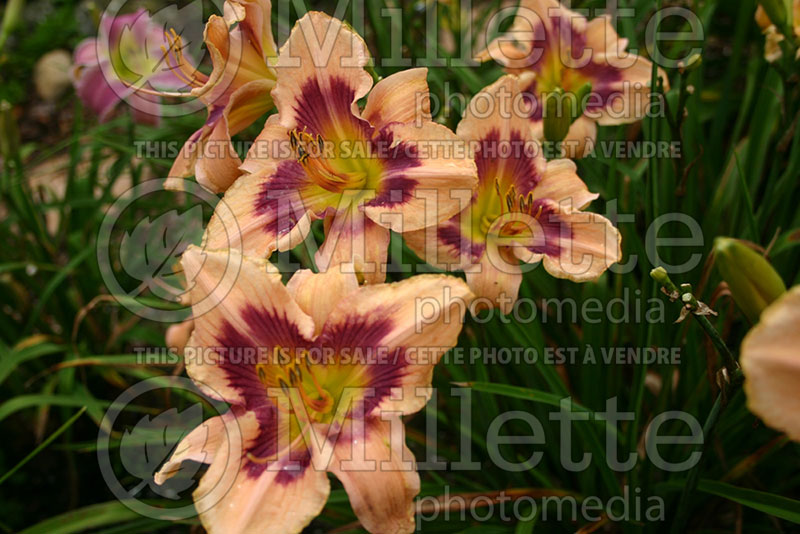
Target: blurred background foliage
(67, 348)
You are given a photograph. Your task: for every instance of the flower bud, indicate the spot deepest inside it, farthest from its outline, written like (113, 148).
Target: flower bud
(12, 16)
(753, 282)
(557, 115)
(777, 13)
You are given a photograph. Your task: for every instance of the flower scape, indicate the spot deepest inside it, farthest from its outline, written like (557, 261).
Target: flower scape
(397, 305)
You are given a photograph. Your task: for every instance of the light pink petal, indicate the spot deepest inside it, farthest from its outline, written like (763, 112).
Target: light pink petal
(237, 303)
(771, 364)
(255, 500)
(401, 97)
(354, 244)
(426, 178)
(414, 322)
(321, 75)
(379, 474)
(318, 294)
(561, 183)
(572, 244)
(495, 280)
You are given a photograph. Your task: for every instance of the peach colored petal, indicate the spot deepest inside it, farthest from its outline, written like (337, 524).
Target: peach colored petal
(223, 285)
(496, 277)
(217, 165)
(401, 97)
(444, 176)
(317, 294)
(587, 245)
(249, 103)
(425, 314)
(561, 183)
(177, 335)
(631, 94)
(499, 112)
(379, 473)
(323, 51)
(580, 138)
(257, 504)
(199, 445)
(771, 364)
(432, 245)
(601, 37)
(354, 244)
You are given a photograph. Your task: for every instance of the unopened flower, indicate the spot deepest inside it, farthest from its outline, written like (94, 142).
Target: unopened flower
(553, 48)
(524, 209)
(236, 93)
(318, 374)
(121, 64)
(770, 361)
(753, 282)
(321, 157)
(774, 30)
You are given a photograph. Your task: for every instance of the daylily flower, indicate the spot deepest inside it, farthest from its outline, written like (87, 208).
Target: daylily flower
(332, 367)
(552, 47)
(771, 365)
(362, 171)
(119, 64)
(524, 209)
(773, 36)
(236, 93)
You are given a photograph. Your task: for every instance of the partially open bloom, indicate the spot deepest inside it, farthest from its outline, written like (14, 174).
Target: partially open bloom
(524, 209)
(771, 364)
(317, 374)
(125, 58)
(236, 93)
(552, 47)
(362, 171)
(772, 35)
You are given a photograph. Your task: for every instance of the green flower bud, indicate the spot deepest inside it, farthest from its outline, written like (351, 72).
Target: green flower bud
(753, 282)
(12, 16)
(558, 110)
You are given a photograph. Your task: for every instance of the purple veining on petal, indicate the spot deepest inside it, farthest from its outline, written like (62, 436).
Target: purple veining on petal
(294, 467)
(357, 342)
(555, 229)
(321, 110)
(396, 187)
(603, 76)
(519, 167)
(243, 350)
(461, 245)
(279, 197)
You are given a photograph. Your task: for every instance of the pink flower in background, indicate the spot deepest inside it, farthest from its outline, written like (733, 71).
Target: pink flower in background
(125, 57)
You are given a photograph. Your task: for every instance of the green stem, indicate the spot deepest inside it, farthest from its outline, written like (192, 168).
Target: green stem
(690, 485)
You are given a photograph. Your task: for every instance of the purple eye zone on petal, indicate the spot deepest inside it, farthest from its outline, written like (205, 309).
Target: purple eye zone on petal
(520, 165)
(319, 110)
(603, 76)
(451, 235)
(554, 228)
(280, 199)
(243, 350)
(397, 187)
(358, 343)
